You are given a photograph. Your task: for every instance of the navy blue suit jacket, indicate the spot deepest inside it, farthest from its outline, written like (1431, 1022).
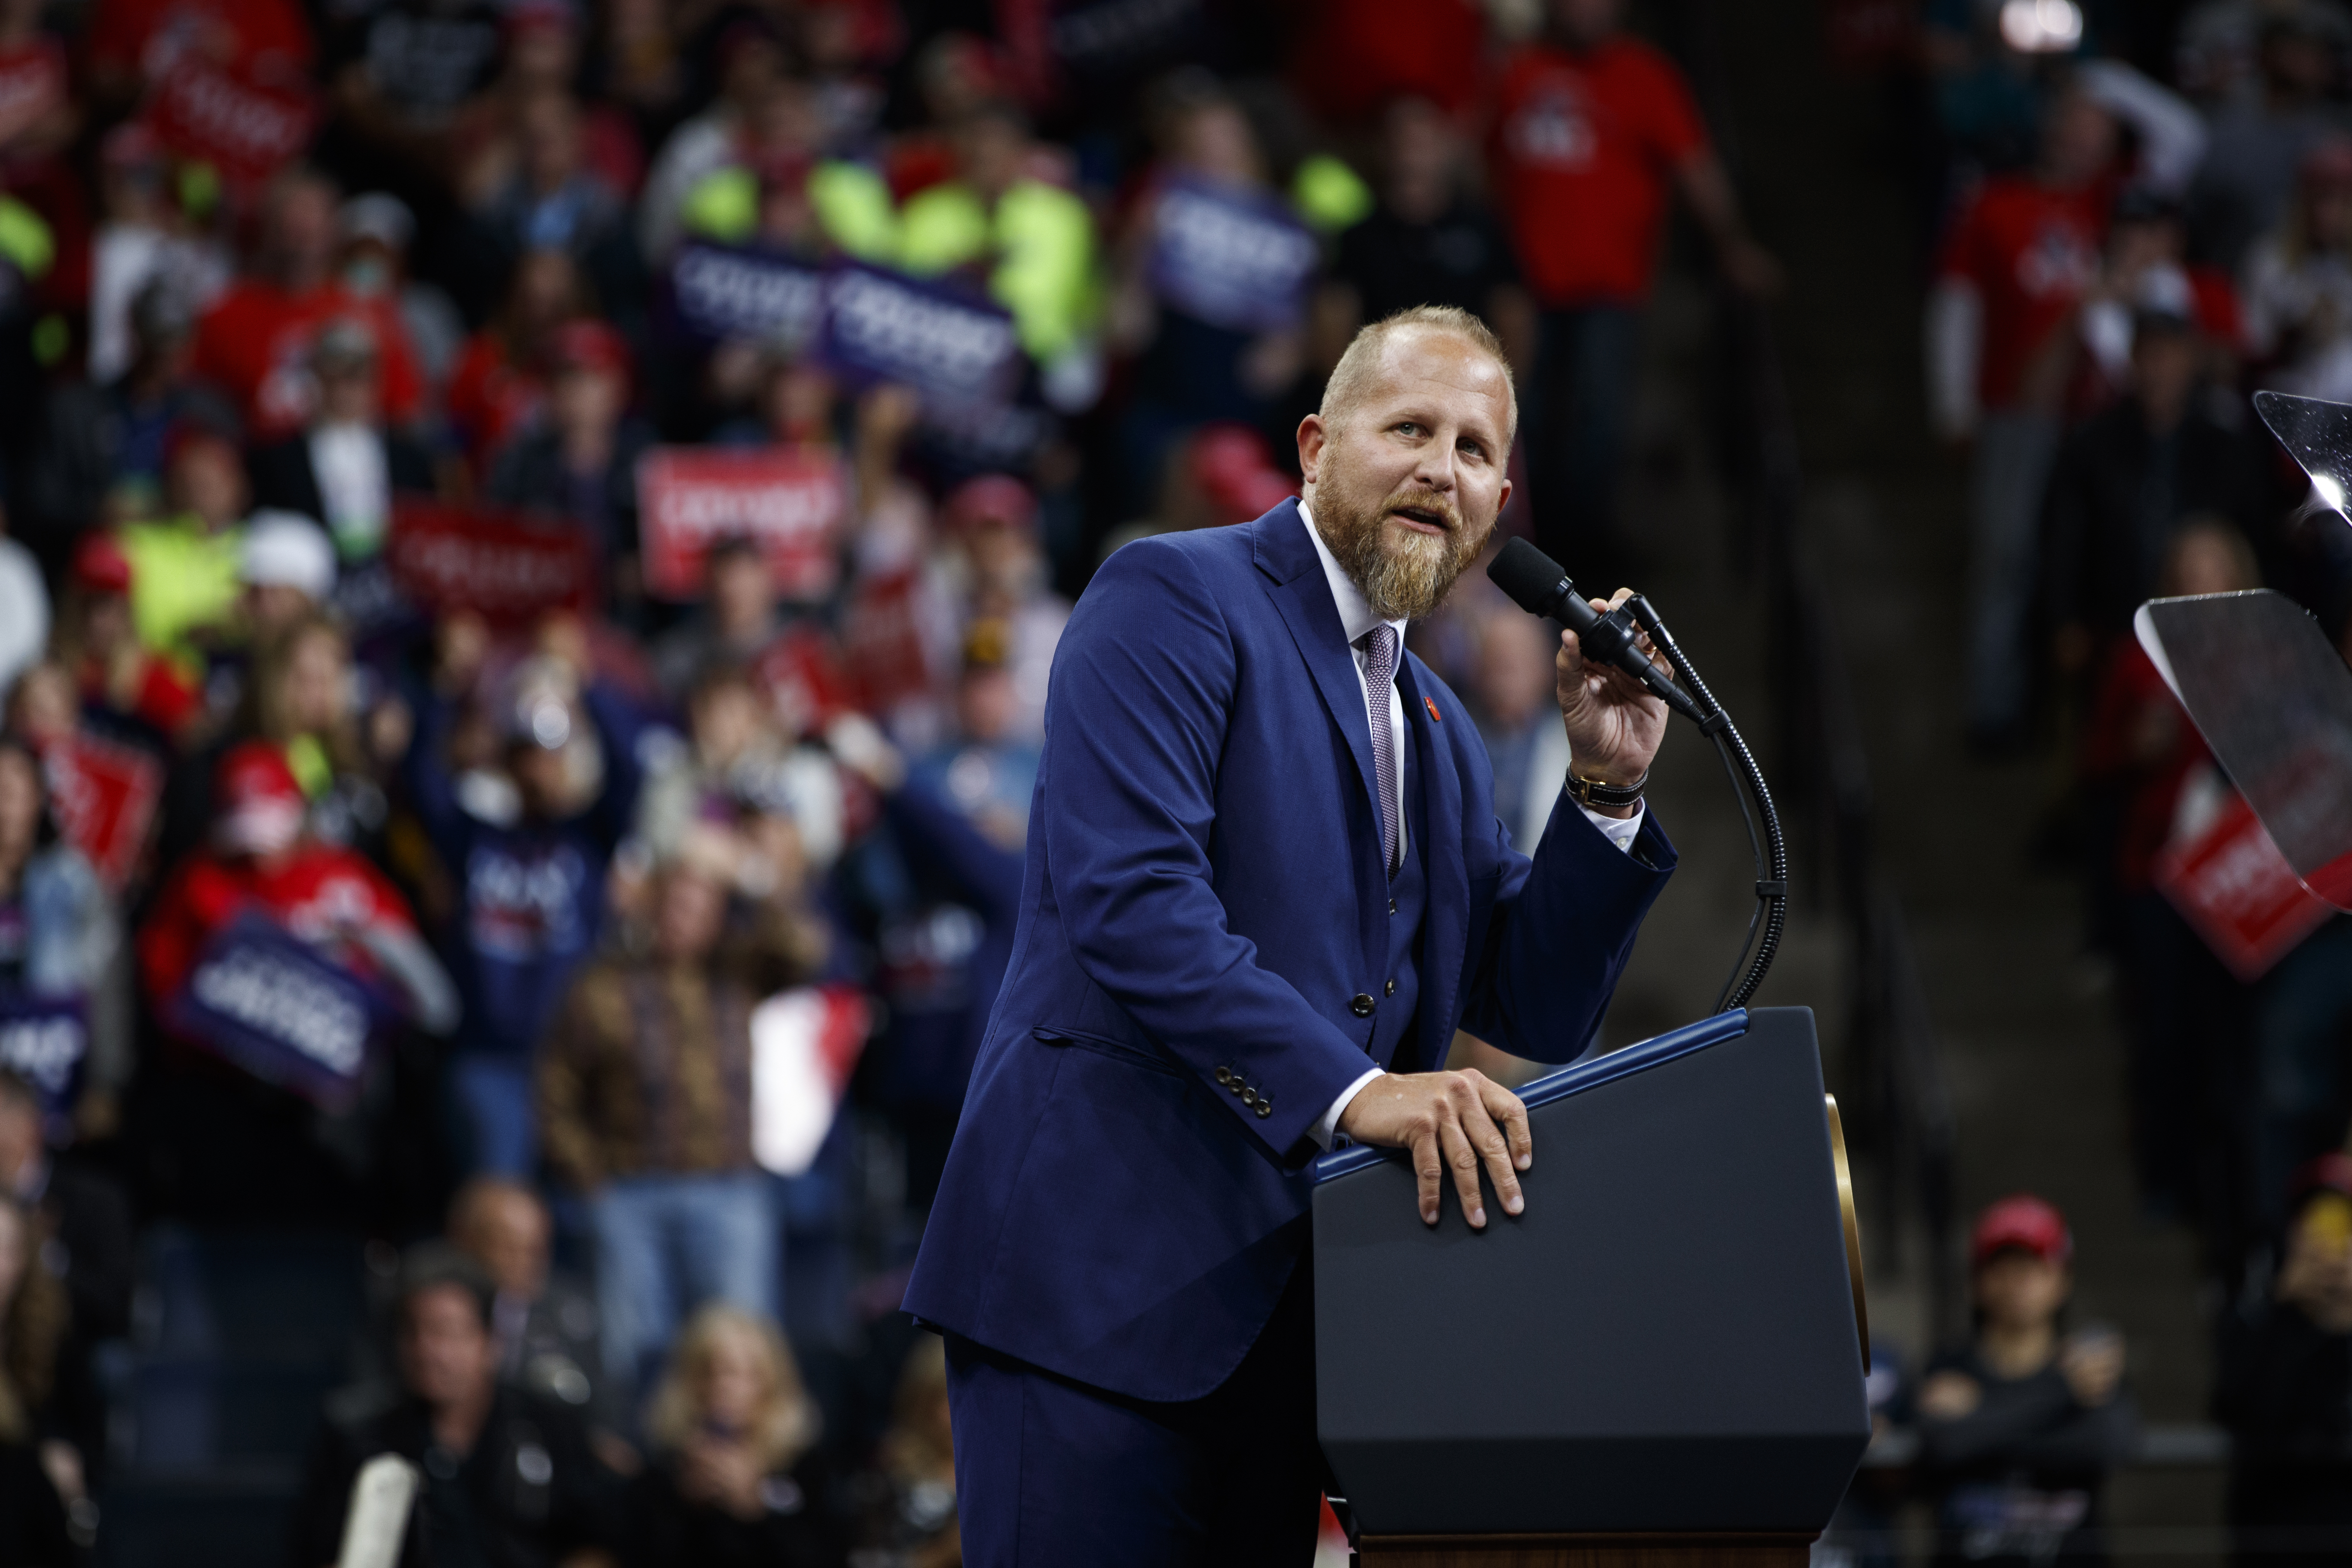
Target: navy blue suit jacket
(1203, 890)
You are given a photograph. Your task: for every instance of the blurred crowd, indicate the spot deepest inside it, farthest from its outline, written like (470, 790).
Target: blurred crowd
(536, 532)
(535, 535)
(2124, 254)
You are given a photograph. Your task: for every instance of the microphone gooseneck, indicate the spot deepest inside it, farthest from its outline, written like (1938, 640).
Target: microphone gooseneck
(1541, 586)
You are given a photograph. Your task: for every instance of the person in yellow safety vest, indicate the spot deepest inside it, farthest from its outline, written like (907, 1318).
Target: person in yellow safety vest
(183, 566)
(26, 242)
(1032, 242)
(751, 170)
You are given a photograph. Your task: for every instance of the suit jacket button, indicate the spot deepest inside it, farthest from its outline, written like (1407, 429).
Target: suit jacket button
(1249, 1097)
(1362, 1006)
(1265, 1108)
(1224, 1075)
(1392, 990)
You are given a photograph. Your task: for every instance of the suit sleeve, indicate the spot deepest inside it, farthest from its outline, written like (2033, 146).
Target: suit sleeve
(1562, 929)
(1142, 689)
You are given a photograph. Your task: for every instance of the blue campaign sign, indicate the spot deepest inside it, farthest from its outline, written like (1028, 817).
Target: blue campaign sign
(725, 292)
(269, 1002)
(942, 339)
(1235, 258)
(45, 1040)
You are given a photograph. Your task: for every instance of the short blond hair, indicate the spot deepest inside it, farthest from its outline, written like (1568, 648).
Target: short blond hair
(1351, 378)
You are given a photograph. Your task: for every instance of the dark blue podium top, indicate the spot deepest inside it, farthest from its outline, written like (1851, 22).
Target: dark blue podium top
(1665, 1339)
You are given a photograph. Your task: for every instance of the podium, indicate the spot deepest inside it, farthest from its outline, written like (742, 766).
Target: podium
(1658, 1364)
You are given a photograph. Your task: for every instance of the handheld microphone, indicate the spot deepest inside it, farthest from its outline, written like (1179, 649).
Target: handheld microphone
(1539, 585)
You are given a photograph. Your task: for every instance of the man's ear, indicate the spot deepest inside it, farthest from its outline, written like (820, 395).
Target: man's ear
(1312, 440)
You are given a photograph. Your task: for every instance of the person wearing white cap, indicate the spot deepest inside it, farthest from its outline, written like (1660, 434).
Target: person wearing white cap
(288, 568)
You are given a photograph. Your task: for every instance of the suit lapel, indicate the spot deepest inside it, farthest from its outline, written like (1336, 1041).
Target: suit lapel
(1302, 597)
(1446, 916)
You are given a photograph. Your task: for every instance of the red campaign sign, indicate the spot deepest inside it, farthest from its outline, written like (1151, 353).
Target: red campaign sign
(804, 679)
(2235, 887)
(104, 795)
(241, 128)
(504, 568)
(688, 498)
(882, 637)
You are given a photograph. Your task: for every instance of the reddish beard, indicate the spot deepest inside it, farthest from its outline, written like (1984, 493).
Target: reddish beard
(1403, 573)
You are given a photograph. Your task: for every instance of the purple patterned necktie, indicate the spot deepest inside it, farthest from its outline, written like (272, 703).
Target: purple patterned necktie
(1380, 674)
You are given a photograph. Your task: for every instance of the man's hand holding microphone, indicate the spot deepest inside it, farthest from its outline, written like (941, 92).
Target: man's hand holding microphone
(1458, 1122)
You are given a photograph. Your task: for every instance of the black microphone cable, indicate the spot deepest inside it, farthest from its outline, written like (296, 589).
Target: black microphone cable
(1771, 911)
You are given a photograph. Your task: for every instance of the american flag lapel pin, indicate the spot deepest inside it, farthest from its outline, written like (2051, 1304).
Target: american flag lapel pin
(1431, 703)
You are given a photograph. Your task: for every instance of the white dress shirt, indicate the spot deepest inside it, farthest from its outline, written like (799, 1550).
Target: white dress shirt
(1356, 618)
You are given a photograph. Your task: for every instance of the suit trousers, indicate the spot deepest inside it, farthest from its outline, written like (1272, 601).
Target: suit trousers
(1050, 1472)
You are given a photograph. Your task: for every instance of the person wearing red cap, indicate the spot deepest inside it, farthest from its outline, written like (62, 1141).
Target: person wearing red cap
(262, 861)
(992, 523)
(578, 461)
(243, 1150)
(2020, 1429)
(98, 646)
(2284, 1388)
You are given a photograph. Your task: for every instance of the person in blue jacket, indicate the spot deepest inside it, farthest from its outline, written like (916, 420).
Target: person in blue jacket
(1265, 884)
(527, 845)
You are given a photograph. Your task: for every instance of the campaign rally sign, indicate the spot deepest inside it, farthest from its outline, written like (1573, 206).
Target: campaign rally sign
(936, 336)
(791, 500)
(728, 292)
(45, 1040)
(984, 435)
(507, 568)
(804, 1044)
(2237, 892)
(269, 1002)
(1235, 258)
(103, 795)
(241, 128)
(882, 639)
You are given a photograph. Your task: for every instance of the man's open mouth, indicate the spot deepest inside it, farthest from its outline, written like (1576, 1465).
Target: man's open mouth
(1420, 517)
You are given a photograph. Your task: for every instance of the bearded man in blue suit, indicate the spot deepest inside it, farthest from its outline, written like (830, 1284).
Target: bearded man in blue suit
(1265, 884)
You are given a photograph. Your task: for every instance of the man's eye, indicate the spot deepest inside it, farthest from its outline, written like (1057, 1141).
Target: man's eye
(1408, 427)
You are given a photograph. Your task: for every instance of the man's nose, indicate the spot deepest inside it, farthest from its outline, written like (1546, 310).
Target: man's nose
(1436, 467)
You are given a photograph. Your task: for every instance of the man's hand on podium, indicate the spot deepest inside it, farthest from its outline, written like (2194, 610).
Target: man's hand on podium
(1447, 1119)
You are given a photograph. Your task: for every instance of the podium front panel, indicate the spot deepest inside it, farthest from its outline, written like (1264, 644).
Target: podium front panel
(1665, 1339)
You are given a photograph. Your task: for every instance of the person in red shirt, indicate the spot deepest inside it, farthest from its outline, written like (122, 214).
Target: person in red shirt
(262, 862)
(500, 381)
(2019, 262)
(101, 648)
(254, 342)
(2140, 755)
(1593, 131)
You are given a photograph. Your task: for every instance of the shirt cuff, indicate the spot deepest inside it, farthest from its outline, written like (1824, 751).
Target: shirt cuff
(1328, 1129)
(1618, 830)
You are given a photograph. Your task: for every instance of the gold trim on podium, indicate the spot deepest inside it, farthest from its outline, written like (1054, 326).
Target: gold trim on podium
(1853, 1227)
